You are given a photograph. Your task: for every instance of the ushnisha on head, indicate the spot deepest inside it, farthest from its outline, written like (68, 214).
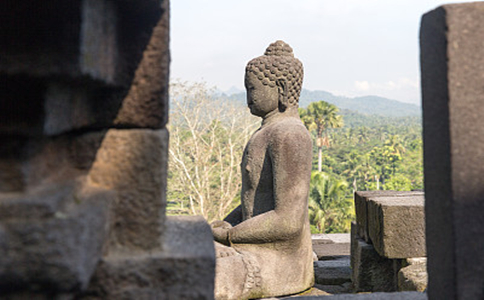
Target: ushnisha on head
(279, 68)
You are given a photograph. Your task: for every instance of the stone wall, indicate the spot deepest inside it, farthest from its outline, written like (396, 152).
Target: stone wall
(83, 156)
(388, 236)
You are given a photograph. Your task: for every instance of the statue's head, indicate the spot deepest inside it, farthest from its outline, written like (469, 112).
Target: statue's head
(274, 80)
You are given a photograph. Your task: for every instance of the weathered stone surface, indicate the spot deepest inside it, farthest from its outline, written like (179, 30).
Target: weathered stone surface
(133, 162)
(452, 68)
(332, 272)
(89, 39)
(372, 296)
(413, 278)
(328, 246)
(361, 207)
(52, 240)
(370, 271)
(76, 182)
(146, 103)
(183, 270)
(345, 288)
(264, 246)
(103, 64)
(396, 226)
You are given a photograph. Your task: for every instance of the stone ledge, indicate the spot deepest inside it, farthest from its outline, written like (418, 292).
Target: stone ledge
(361, 207)
(183, 270)
(396, 226)
(373, 296)
(331, 246)
(332, 272)
(58, 249)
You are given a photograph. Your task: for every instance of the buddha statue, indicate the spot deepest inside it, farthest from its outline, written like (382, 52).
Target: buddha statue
(263, 247)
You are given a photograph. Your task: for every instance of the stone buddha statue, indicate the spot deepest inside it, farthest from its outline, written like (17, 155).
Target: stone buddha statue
(263, 247)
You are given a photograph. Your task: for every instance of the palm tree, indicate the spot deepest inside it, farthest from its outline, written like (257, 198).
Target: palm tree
(329, 210)
(320, 116)
(394, 142)
(353, 168)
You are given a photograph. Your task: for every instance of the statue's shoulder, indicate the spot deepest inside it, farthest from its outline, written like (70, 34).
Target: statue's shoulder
(291, 127)
(290, 130)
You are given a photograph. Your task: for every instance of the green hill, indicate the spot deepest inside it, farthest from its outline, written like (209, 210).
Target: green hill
(370, 105)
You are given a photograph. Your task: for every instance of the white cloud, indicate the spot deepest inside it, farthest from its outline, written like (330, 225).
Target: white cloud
(362, 85)
(392, 85)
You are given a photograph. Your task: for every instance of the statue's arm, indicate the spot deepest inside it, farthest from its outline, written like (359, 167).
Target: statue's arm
(291, 154)
(235, 216)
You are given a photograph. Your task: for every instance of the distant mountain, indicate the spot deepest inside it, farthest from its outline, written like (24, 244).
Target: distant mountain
(373, 105)
(233, 90)
(370, 105)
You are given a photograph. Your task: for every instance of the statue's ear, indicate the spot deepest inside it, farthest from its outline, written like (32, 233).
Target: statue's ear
(282, 90)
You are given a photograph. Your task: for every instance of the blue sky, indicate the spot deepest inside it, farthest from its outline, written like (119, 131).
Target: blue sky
(348, 47)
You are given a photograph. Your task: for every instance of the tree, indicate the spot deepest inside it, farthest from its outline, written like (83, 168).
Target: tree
(207, 136)
(329, 209)
(318, 117)
(353, 168)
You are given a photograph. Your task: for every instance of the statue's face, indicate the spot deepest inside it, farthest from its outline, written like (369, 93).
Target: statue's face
(261, 99)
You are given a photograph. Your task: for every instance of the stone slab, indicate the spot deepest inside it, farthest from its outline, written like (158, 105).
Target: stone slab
(57, 247)
(332, 272)
(329, 246)
(361, 207)
(413, 278)
(452, 68)
(183, 270)
(132, 162)
(372, 296)
(396, 226)
(369, 271)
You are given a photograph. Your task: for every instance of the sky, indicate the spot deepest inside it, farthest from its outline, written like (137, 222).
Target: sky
(348, 47)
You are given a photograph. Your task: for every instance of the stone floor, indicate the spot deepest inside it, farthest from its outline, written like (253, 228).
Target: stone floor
(332, 273)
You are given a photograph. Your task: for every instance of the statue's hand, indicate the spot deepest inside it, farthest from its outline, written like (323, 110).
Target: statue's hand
(220, 230)
(220, 224)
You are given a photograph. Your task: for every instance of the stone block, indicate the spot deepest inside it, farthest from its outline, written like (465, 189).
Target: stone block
(332, 272)
(370, 271)
(95, 64)
(183, 270)
(146, 102)
(361, 207)
(328, 246)
(52, 240)
(452, 68)
(413, 278)
(396, 226)
(318, 289)
(372, 296)
(87, 40)
(133, 162)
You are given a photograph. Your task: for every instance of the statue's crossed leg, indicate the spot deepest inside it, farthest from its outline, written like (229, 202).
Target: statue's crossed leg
(237, 274)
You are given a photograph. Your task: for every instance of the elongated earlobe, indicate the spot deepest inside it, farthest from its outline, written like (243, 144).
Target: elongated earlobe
(282, 91)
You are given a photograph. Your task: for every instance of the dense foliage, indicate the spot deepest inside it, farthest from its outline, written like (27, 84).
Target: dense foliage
(208, 134)
(369, 153)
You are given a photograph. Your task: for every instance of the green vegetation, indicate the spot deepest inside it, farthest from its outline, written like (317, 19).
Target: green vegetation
(386, 154)
(318, 117)
(208, 133)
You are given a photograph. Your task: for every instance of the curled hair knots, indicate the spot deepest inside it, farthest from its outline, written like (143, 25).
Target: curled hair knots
(279, 48)
(279, 62)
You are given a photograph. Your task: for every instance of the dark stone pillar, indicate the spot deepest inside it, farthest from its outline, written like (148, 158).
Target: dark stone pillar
(452, 66)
